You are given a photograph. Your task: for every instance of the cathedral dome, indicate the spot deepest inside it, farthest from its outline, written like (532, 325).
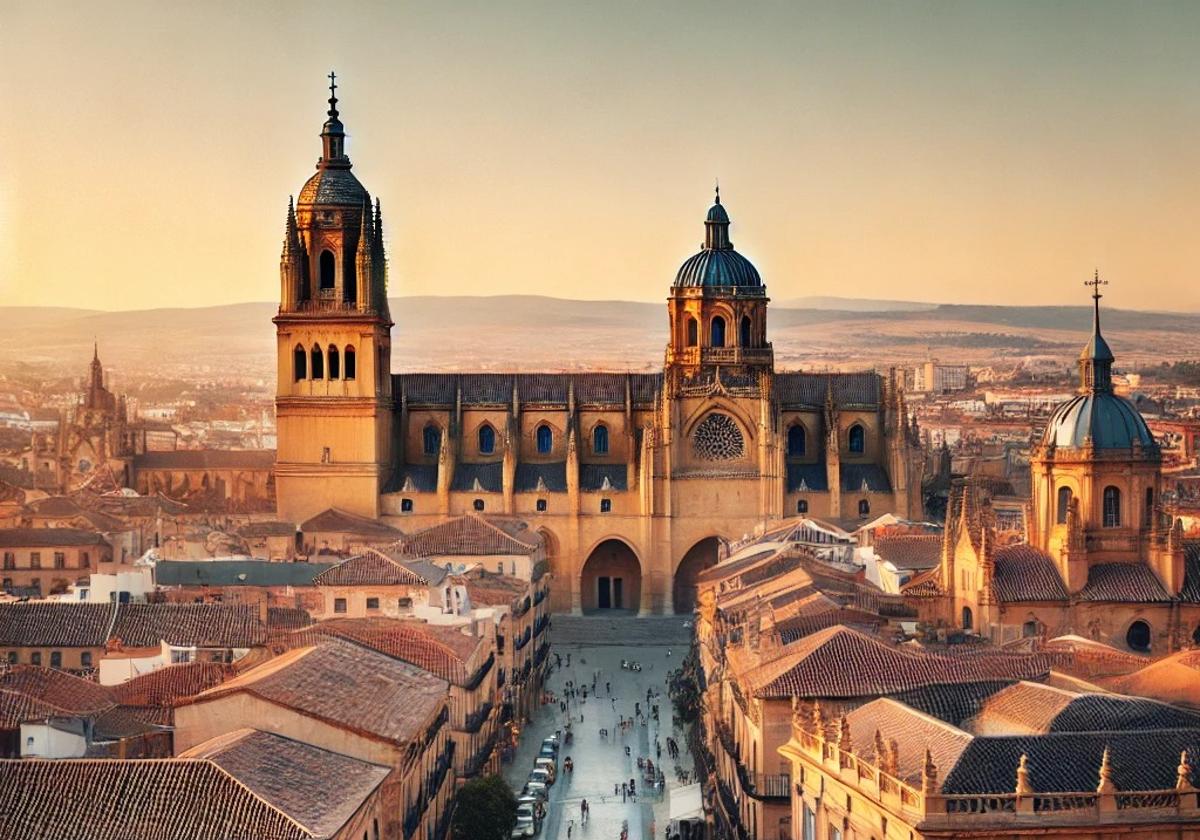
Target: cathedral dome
(1109, 421)
(332, 186)
(718, 265)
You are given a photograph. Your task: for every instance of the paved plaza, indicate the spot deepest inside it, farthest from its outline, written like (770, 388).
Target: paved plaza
(601, 762)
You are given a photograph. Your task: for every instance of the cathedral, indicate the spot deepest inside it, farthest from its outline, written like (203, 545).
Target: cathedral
(632, 480)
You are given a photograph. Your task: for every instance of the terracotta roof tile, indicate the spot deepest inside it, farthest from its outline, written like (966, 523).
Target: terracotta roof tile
(927, 584)
(1174, 679)
(48, 537)
(218, 625)
(913, 731)
(1123, 583)
(346, 686)
(288, 618)
(472, 535)
(1024, 573)
(57, 688)
(55, 624)
(371, 568)
(441, 650)
(338, 521)
(162, 687)
(910, 551)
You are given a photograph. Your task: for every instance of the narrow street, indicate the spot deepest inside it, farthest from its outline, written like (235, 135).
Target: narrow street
(600, 762)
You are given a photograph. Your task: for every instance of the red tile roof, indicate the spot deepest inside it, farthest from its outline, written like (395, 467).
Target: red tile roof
(444, 651)
(1025, 573)
(57, 688)
(339, 521)
(371, 568)
(910, 551)
(162, 687)
(346, 686)
(472, 535)
(55, 624)
(202, 625)
(48, 537)
(913, 731)
(1123, 583)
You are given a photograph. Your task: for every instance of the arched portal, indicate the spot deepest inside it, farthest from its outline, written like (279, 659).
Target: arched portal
(698, 558)
(611, 578)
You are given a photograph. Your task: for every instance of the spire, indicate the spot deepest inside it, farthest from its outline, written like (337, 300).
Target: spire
(291, 236)
(333, 134)
(1096, 360)
(716, 226)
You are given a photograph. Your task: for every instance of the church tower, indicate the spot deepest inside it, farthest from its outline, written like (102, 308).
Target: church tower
(334, 396)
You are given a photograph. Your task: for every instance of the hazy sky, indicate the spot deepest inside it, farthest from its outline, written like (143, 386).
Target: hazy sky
(990, 152)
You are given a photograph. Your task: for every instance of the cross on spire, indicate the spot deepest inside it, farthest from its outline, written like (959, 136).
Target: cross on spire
(1096, 283)
(718, 189)
(333, 94)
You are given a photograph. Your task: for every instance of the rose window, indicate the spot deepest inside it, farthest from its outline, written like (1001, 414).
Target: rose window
(718, 438)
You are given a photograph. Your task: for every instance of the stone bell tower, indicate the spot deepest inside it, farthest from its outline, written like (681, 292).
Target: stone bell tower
(334, 396)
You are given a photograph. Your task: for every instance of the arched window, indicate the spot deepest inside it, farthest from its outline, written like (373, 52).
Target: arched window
(328, 270)
(1112, 507)
(795, 440)
(600, 439)
(605, 505)
(406, 505)
(802, 506)
(487, 440)
(545, 439)
(318, 362)
(478, 505)
(1148, 514)
(300, 363)
(541, 505)
(968, 620)
(693, 330)
(348, 355)
(1138, 636)
(335, 367)
(1064, 505)
(744, 338)
(717, 332)
(864, 507)
(857, 439)
(431, 439)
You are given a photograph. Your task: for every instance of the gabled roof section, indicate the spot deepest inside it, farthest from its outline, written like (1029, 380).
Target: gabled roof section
(337, 521)
(1123, 583)
(373, 568)
(1032, 708)
(162, 687)
(472, 535)
(913, 731)
(65, 692)
(56, 624)
(444, 651)
(1025, 573)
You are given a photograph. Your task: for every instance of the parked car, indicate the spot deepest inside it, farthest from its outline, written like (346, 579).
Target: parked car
(551, 742)
(548, 752)
(537, 788)
(547, 764)
(541, 775)
(525, 827)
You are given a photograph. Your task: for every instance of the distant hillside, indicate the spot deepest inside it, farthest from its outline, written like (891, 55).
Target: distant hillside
(526, 331)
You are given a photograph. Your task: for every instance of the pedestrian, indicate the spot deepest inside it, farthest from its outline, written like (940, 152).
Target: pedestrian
(624, 792)
(616, 788)
(608, 689)
(570, 827)
(583, 811)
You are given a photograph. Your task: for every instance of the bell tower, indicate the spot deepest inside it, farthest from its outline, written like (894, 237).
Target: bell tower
(333, 400)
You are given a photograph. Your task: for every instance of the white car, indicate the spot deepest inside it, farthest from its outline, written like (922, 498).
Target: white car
(541, 775)
(537, 788)
(525, 827)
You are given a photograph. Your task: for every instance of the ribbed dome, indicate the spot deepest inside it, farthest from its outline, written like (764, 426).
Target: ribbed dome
(718, 265)
(332, 186)
(1110, 421)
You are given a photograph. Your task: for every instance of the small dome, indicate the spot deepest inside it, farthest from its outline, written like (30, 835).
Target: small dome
(717, 213)
(332, 186)
(1110, 421)
(718, 268)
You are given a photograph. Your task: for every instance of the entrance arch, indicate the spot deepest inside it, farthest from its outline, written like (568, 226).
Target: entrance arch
(698, 558)
(611, 578)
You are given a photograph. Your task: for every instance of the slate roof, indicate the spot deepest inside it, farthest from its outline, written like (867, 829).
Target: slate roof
(48, 537)
(317, 788)
(1029, 708)
(553, 477)
(54, 624)
(346, 686)
(336, 521)
(592, 476)
(199, 459)
(1190, 591)
(807, 477)
(913, 731)
(1025, 573)
(1123, 583)
(371, 568)
(489, 476)
(910, 551)
(333, 185)
(203, 625)
(471, 535)
(236, 573)
(422, 476)
(843, 662)
(255, 785)
(811, 389)
(873, 477)
(607, 389)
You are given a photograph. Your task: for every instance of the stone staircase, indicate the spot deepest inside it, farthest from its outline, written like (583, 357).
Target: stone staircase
(626, 630)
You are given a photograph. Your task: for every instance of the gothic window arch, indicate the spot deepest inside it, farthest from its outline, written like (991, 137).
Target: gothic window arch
(693, 332)
(318, 362)
(802, 506)
(545, 439)
(431, 439)
(600, 439)
(349, 358)
(718, 438)
(487, 440)
(1148, 513)
(864, 507)
(300, 363)
(1112, 507)
(857, 439)
(1064, 505)
(795, 440)
(744, 338)
(968, 619)
(716, 331)
(335, 367)
(328, 269)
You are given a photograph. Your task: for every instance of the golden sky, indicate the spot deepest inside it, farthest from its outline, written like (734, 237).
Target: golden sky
(950, 151)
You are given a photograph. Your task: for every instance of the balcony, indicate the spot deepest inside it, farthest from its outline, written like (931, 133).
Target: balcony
(542, 624)
(475, 720)
(723, 355)
(480, 673)
(766, 786)
(524, 640)
(476, 762)
(330, 305)
(522, 608)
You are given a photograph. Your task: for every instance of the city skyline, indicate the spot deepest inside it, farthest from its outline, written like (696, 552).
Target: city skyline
(965, 153)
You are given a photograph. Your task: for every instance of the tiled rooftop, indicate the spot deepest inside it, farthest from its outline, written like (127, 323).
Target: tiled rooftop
(371, 568)
(59, 689)
(338, 521)
(1123, 583)
(55, 624)
(441, 650)
(910, 551)
(204, 625)
(471, 535)
(1025, 573)
(48, 537)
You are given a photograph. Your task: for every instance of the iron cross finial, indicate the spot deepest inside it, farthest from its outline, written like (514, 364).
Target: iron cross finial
(332, 84)
(1096, 283)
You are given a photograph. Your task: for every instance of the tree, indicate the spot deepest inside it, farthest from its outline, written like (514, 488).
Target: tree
(485, 809)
